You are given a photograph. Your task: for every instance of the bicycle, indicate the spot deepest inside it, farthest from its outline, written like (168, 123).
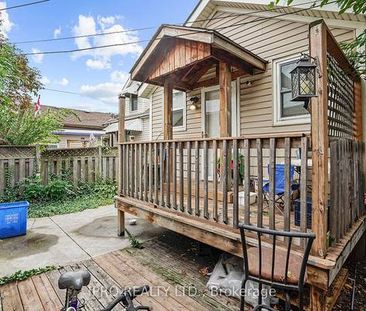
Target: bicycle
(74, 281)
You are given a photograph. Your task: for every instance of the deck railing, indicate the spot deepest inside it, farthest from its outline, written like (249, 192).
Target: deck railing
(219, 179)
(346, 186)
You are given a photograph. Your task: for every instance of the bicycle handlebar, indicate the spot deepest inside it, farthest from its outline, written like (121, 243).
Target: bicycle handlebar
(127, 297)
(138, 291)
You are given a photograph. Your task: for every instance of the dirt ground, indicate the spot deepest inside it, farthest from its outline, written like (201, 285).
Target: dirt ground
(357, 273)
(203, 258)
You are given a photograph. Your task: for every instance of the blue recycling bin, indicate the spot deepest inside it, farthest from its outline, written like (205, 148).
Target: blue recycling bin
(13, 219)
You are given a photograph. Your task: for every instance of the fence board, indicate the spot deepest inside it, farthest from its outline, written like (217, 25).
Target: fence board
(2, 177)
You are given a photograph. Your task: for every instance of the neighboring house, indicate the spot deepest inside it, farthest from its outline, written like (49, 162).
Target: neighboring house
(137, 116)
(81, 128)
(221, 97)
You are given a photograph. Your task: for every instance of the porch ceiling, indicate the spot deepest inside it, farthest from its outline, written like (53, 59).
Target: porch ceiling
(182, 55)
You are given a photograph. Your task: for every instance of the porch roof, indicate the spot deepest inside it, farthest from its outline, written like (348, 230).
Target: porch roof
(184, 54)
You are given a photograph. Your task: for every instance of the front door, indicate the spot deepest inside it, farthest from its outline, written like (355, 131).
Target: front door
(211, 117)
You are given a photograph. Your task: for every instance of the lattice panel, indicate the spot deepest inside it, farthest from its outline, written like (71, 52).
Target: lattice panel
(341, 107)
(14, 152)
(65, 153)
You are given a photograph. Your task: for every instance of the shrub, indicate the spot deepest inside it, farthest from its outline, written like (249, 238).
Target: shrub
(58, 189)
(33, 189)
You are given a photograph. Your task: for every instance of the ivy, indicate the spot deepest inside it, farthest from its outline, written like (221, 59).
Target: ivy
(21, 275)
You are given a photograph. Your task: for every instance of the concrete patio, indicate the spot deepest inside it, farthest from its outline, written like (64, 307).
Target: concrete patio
(63, 239)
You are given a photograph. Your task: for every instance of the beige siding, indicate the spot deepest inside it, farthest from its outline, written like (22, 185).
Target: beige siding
(75, 141)
(145, 134)
(271, 39)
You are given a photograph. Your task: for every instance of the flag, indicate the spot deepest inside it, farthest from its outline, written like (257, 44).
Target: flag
(37, 106)
(92, 139)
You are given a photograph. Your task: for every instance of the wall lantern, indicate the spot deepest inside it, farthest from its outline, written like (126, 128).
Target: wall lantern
(194, 100)
(303, 79)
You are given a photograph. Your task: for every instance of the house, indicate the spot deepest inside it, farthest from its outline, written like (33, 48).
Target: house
(223, 121)
(81, 128)
(137, 116)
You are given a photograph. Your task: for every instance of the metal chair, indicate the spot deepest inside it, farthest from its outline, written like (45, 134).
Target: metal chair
(280, 181)
(275, 267)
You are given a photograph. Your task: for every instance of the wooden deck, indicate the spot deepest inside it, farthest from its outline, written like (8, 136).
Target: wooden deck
(169, 280)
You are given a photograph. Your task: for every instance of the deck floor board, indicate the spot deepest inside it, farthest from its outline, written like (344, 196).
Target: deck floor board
(158, 265)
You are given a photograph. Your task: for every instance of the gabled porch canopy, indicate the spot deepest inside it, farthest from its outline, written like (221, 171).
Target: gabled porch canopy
(183, 55)
(179, 57)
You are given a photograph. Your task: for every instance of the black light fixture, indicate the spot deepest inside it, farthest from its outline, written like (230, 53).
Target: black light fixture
(194, 100)
(303, 80)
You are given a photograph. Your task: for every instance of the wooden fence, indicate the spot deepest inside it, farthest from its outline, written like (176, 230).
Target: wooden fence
(81, 164)
(346, 186)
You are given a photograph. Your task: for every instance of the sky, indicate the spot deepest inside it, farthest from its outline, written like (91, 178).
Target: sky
(97, 76)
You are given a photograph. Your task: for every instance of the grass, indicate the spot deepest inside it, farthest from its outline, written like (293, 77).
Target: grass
(73, 205)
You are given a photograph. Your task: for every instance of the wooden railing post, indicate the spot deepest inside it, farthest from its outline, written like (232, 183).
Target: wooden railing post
(320, 140)
(357, 92)
(225, 116)
(121, 139)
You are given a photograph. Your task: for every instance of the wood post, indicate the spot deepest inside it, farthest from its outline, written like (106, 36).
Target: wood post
(38, 160)
(168, 129)
(168, 114)
(320, 140)
(225, 99)
(121, 119)
(225, 118)
(121, 139)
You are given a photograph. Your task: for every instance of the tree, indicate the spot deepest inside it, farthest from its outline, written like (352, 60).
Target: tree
(20, 126)
(18, 81)
(356, 49)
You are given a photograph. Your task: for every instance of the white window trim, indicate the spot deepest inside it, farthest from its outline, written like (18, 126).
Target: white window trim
(276, 80)
(184, 126)
(235, 99)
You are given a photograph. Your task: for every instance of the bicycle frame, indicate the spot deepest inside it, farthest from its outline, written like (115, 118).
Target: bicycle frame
(72, 303)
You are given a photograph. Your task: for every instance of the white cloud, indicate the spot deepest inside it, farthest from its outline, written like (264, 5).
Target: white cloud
(105, 21)
(57, 32)
(119, 77)
(101, 58)
(45, 80)
(63, 82)
(38, 58)
(106, 91)
(98, 64)
(6, 25)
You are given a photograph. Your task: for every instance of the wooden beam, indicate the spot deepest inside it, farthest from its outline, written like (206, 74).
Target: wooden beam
(234, 61)
(121, 139)
(320, 141)
(121, 119)
(168, 106)
(214, 81)
(225, 99)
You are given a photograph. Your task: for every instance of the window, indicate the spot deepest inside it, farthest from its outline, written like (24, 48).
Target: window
(133, 102)
(179, 109)
(286, 110)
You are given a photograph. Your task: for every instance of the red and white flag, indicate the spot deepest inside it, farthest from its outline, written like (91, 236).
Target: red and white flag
(37, 106)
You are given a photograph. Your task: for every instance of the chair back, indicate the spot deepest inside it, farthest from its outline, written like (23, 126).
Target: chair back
(280, 178)
(267, 251)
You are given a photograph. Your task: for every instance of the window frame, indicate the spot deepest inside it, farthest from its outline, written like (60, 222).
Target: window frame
(278, 120)
(184, 108)
(131, 102)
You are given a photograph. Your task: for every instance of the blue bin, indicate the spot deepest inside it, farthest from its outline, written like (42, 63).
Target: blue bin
(13, 219)
(308, 212)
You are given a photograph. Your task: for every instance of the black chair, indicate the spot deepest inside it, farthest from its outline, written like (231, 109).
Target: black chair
(275, 267)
